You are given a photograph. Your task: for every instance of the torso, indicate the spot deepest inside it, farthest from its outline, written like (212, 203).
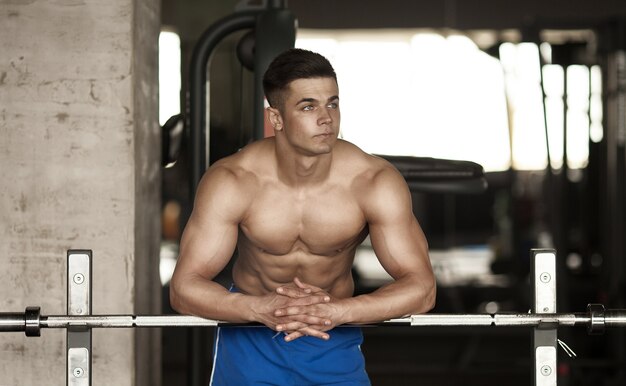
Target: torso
(309, 232)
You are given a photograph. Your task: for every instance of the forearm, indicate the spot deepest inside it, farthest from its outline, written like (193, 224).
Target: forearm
(198, 296)
(408, 295)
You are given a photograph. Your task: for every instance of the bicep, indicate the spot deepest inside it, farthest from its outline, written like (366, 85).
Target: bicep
(206, 247)
(396, 236)
(210, 236)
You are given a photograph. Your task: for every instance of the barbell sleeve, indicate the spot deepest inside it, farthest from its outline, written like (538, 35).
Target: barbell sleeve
(28, 321)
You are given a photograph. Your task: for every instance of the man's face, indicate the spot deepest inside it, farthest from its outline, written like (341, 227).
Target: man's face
(310, 115)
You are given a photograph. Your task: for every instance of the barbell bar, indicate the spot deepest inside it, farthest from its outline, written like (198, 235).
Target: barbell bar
(596, 319)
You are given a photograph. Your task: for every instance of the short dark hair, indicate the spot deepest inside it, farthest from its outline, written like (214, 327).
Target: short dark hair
(295, 63)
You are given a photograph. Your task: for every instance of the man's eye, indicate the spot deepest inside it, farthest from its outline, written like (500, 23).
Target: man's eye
(307, 108)
(333, 105)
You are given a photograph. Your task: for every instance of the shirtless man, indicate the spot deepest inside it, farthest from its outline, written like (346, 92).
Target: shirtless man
(296, 206)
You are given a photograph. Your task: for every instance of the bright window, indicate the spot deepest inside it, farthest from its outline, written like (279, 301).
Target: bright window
(169, 75)
(429, 95)
(418, 94)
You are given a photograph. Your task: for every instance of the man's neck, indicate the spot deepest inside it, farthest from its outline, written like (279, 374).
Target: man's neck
(298, 170)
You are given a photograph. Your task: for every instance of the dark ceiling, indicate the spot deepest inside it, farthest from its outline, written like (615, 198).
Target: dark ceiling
(464, 14)
(191, 17)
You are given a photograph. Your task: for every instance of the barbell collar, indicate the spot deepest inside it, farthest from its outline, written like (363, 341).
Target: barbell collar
(32, 321)
(597, 323)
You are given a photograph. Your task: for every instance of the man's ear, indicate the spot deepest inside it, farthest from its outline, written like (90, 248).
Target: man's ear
(275, 118)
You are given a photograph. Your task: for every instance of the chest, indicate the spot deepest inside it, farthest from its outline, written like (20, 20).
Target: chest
(321, 222)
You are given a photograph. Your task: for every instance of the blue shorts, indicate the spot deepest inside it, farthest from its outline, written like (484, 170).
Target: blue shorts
(260, 356)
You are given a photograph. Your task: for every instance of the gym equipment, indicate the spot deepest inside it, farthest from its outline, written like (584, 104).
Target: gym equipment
(543, 318)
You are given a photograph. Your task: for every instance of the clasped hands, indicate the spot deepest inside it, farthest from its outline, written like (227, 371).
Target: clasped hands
(301, 309)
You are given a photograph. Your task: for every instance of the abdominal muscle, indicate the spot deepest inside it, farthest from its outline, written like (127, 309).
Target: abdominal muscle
(258, 272)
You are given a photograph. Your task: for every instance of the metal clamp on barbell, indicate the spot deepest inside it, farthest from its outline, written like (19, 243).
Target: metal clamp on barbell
(596, 319)
(32, 321)
(29, 321)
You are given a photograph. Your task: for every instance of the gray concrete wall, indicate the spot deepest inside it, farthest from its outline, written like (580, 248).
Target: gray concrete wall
(79, 153)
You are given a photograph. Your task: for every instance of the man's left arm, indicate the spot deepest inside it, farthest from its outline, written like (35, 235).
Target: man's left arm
(401, 248)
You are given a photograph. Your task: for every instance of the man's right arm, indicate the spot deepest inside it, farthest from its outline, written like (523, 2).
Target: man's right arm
(207, 244)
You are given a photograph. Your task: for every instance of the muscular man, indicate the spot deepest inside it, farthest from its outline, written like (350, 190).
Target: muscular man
(296, 206)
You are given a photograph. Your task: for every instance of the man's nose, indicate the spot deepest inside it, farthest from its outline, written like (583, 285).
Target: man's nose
(325, 117)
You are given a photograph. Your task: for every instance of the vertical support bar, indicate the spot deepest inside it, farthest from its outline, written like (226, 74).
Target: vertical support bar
(78, 303)
(199, 113)
(543, 276)
(275, 32)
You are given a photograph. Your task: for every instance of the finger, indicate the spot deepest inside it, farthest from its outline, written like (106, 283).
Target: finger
(293, 336)
(309, 309)
(292, 292)
(288, 311)
(300, 284)
(309, 331)
(291, 326)
(305, 320)
(299, 303)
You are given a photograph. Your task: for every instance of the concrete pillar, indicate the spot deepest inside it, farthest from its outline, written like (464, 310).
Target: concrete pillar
(79, 168)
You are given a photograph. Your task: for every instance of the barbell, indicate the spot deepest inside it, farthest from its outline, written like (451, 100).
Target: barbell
(596, 319)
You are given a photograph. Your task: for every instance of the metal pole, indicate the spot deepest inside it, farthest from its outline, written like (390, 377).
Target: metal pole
(78, 305)
(615, 145)
(199, 111)
(199, 123)
(543, 278)
(275, 32)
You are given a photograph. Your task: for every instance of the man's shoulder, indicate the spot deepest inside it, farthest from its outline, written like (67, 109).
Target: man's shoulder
(231, 181)
(363, 165)
(245, 163)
